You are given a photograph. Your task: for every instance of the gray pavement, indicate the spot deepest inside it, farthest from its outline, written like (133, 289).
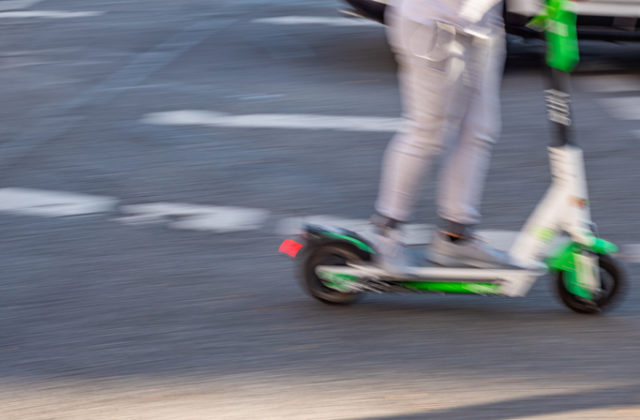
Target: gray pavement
(106, 320)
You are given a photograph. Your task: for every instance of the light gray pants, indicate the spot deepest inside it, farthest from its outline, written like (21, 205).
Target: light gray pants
(450, 85)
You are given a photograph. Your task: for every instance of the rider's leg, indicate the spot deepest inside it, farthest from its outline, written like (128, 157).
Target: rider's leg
(464, 170)
(429, 89)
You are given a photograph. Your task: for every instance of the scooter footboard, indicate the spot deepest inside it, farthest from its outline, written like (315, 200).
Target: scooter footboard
(507, 282)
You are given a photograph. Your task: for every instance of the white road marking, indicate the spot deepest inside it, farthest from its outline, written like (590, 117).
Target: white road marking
(219, 219)
(52, 14)
(315, 20)
(258, 97)
(624, 108)
(602, 8)
(52, 203)
(287, 121)
(18, 4)
(630, 253)
(196, 217)
(610, 83)
(18, 63)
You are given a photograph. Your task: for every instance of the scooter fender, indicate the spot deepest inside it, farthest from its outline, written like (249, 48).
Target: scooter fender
(568, 260)
(563, 259)
(316, 235)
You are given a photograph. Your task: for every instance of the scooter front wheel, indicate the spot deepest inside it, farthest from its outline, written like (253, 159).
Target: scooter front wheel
(328, 254)
(613, 287)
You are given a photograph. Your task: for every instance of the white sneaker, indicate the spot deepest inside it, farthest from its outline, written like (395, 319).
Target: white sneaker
(390, 253)
(467, 252)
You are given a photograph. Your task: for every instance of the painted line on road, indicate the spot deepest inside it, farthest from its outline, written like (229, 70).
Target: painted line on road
(315, 20)
(620, 9)
(51, 14)
(18, 4)
(630, 253)
(219, 219)
(196, 217)
(624, 108)
(258, 97)
(33, 202)
(286, 121)
(610, 83)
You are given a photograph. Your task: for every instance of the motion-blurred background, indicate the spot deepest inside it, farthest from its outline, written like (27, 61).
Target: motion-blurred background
(154, 153)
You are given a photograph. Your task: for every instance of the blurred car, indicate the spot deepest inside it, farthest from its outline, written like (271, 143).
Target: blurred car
(597, 19)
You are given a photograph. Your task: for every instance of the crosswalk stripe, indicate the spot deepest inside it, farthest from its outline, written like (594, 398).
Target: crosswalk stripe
(35, 202)
(315, 20)
(219, 219)
(624, 108)
(283, 121)
(53, 14)
(196, 217)
(620, 107)
(610, 83)
(630, 253)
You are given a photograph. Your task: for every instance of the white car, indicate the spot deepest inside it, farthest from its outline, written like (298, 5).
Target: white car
(597, 19)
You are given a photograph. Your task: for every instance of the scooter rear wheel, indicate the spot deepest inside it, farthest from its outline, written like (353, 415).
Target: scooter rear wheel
(328, 254)
(613, 286)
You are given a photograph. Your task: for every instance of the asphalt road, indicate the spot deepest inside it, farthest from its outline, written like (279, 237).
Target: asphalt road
(105, 317)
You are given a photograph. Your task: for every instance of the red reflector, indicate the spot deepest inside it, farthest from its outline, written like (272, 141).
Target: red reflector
(290, 248)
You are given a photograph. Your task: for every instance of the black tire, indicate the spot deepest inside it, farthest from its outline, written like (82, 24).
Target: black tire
(614, 285)
(328, 254)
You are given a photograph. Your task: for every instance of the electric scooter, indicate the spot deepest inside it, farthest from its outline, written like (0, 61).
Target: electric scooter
(337, 265)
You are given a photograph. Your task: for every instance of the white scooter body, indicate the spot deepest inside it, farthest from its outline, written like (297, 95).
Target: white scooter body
(563, 209)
